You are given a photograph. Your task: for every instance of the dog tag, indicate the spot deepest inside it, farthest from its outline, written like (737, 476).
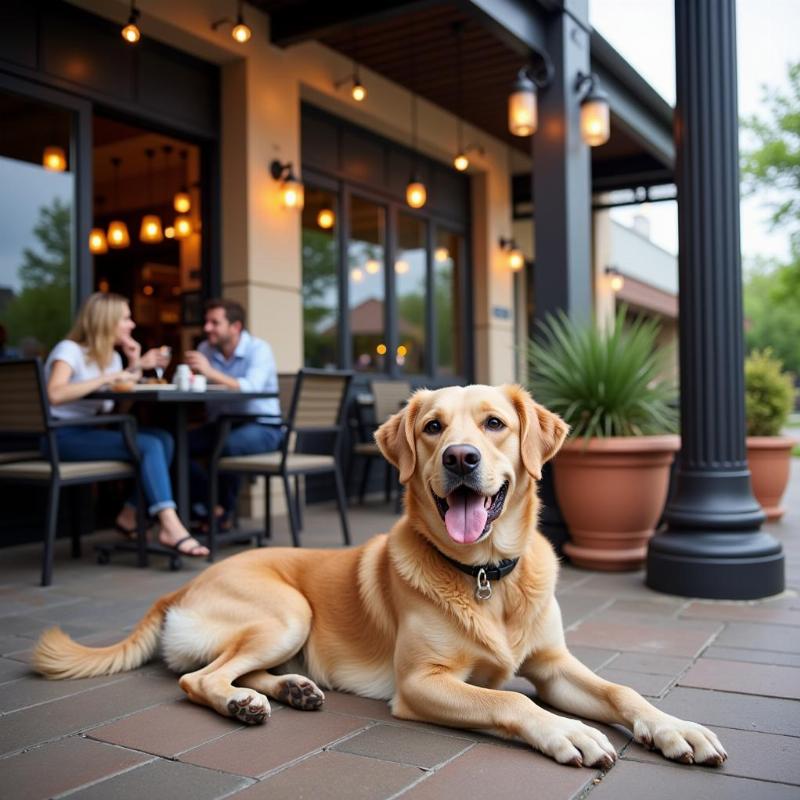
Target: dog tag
(483, 589)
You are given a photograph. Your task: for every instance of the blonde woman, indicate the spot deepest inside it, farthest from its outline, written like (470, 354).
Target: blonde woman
(84, 362)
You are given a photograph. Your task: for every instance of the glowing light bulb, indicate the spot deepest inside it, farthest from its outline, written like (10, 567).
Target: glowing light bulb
(182, 202)
(373, 266)
(54, 159)
(441, 254)
(416, 194)
(118, 236)
(326, 219)
(97, 241)
(461, 162)
(358, 91)
(401, 267)
(131, 33)
(241, 32)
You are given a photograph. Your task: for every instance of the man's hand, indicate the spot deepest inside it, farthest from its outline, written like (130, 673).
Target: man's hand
(198, 362)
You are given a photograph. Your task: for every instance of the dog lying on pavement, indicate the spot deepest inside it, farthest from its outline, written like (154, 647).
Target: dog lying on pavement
(434, 616)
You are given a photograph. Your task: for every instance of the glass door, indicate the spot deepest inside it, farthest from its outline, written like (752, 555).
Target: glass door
(37, 224)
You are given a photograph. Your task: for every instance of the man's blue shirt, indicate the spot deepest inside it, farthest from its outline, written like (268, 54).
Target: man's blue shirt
(253, 365)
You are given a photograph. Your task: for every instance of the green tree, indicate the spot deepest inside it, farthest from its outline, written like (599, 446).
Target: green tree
(772, 320)
(41, 311)
(772, 166)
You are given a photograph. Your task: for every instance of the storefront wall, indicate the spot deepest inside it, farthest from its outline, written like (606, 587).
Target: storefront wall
(262, 90)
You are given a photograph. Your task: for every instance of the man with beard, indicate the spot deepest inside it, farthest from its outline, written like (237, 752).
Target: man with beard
(230, 356)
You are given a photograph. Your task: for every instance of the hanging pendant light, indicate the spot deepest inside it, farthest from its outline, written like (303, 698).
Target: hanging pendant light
(241, 31)
(98, 244)
(131, 33)
(416, 192)
(117, 236)
(150, 230)
(54, 159)
(182, 202)
(182, 228)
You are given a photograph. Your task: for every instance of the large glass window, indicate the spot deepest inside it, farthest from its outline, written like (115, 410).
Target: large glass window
(320, 278)
(37, 190)
(411, 269)
(448, 258)
(149, 186)
(366, 264)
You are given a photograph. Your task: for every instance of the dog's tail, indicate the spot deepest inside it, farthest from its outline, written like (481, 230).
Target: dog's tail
(57, 656)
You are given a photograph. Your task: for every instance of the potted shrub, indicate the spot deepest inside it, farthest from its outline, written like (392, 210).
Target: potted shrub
(769, 399)
(612, 475)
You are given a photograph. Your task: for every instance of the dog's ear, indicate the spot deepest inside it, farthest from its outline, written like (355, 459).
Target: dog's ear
(541, 431)
(395, 438)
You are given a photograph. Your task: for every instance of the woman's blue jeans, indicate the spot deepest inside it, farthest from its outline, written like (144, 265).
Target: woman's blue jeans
(76, 443)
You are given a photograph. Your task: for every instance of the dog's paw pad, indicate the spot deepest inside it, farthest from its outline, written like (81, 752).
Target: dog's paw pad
(251, 708)
(302, 694)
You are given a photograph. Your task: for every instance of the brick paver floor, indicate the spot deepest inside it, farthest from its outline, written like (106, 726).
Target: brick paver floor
(733, 666)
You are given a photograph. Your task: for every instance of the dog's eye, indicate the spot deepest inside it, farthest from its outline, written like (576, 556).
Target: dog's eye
(495, 424)
(433, 427)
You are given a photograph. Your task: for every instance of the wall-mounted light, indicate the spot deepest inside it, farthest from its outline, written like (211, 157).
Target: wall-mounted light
(54, 159)
(516, 258)
(131, 33)
(240, 31)
(523, 111)
(326, 219)
(292, 191)
(615, 279)
(98, 244)
(595, 113)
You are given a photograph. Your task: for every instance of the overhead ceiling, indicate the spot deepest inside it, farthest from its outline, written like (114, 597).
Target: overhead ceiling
(416, 46)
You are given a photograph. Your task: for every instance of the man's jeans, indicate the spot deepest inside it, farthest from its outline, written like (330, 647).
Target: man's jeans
(245, 439)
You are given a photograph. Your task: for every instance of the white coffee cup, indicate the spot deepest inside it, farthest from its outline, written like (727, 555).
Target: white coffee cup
(183, 378)
(199, 383)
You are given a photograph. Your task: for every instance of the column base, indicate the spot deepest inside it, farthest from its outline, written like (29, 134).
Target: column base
(719, 566)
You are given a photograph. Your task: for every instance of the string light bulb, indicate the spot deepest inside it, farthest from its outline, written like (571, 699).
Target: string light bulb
(131, 33)
(326, 219)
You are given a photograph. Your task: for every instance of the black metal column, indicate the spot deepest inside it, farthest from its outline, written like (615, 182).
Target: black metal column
(562, 193)
(713, 546)
(562, 182)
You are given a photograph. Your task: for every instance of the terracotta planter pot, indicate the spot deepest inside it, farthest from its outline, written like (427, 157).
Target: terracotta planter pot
(611, 493)
(769, 458)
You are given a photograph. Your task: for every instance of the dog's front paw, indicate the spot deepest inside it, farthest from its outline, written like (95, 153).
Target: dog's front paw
(249, 707)
(571, 742)
(680, 740)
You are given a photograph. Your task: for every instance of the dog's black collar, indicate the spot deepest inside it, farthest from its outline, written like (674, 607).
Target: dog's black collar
(483, 573)
(493, 572)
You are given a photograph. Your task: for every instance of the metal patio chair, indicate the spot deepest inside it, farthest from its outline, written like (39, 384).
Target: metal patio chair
(313, 414)
(25, 411)
(388, 398)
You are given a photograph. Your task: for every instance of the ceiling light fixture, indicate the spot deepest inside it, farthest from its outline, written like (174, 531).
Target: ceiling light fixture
(240, 30)
(131, 33)
(182, 202)
(150, 230)
(118, 236)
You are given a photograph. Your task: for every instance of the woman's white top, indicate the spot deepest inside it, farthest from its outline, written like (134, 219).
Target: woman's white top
(83, 369)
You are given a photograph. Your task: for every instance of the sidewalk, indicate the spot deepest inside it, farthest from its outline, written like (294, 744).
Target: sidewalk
(732, 666)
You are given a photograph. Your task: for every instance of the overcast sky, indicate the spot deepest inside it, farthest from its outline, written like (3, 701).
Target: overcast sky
(768, 38)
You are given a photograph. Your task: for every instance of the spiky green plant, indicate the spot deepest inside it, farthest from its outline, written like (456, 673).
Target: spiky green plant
(603, 383)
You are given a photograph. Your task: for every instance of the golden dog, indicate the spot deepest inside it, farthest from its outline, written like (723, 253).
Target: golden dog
(435, 616)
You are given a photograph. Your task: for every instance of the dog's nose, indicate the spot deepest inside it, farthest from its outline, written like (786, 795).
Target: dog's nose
(461, 459)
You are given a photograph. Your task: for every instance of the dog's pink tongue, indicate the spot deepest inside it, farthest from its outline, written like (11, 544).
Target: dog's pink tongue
(465, 518)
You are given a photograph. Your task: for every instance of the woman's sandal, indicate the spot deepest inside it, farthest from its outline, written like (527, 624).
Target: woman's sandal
(177, 547)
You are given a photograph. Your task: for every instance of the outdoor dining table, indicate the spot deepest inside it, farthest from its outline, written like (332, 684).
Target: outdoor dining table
(179, 402)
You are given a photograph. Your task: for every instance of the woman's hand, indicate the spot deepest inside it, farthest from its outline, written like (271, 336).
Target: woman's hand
(155, 358)
(132, 351)
(124, 376)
